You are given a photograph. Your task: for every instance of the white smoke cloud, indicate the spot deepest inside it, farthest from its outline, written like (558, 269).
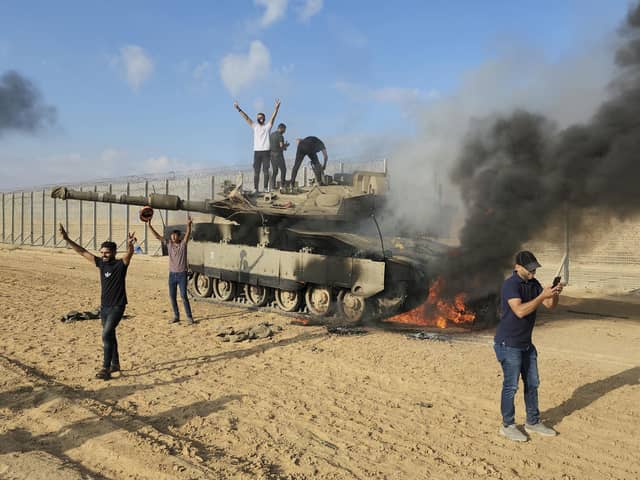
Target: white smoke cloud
(309, 9)
(239, 71)
(134, 64)
(567, 91)
(397, 95)
(274, 11)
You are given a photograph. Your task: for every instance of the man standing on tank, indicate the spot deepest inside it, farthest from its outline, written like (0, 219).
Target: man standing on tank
(177, 249)
(309, 147)
(261, 145)
(278, 146)
(113, 297)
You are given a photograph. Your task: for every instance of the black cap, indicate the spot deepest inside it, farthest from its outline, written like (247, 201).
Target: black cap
(179, 232)
(528, 260)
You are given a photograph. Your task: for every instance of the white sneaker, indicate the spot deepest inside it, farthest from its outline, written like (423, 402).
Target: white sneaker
(513, 433)
(541, 429)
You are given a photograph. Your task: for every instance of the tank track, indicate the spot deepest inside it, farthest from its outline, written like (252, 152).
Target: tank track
(303, 316)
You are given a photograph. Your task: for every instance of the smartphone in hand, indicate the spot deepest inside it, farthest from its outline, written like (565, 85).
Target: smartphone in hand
(556, 281)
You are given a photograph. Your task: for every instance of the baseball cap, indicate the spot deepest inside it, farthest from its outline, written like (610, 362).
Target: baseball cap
(527, 260)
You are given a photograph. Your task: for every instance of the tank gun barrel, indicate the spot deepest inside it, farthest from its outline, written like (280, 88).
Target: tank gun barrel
(155, 200)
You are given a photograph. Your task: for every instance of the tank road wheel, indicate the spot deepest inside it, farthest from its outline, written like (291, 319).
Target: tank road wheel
(256, 295)
(202, 285)
(224, 289)
(352, 307)
(288, 300)
(319, 300)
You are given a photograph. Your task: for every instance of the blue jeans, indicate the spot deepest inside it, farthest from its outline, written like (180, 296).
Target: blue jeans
(110, 318)
(516, 362)
(179, 279)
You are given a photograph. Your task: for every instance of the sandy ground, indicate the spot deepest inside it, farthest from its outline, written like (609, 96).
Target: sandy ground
(301, 405)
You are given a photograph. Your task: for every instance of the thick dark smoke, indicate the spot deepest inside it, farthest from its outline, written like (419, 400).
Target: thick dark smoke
(516, 172)
(21, 105)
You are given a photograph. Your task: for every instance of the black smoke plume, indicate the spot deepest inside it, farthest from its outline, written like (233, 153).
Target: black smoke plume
(22, 107)
(516, 172)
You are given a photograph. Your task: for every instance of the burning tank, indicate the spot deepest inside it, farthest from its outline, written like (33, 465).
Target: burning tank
(316, 250)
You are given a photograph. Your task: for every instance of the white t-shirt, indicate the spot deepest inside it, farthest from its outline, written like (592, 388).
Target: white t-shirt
(261, 137)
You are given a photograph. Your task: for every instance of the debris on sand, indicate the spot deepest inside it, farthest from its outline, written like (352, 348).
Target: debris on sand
(262, 330)
(346, 331)
(74, 316)
(429, 336)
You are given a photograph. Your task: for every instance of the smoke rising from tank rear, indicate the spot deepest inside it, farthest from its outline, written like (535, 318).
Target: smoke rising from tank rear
(22, 107)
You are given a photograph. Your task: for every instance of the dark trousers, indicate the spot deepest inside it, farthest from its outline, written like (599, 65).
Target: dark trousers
(179, 279)
(261, 160)
(110, 317)
(518, 362)
(315, 165)
(277, 165)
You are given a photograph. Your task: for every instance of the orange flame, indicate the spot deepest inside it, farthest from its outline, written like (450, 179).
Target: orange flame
(436, 311)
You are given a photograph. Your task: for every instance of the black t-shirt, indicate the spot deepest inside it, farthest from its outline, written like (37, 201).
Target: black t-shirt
(514, 331)
(311, 145)
(112, 281)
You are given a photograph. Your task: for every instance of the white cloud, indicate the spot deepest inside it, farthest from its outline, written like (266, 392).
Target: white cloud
(274, 11)
(135, 64)
(309, 9)
(239, 71)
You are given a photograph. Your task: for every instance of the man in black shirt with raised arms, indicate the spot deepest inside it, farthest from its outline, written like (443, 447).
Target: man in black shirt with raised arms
(113, 298)
(309, 147)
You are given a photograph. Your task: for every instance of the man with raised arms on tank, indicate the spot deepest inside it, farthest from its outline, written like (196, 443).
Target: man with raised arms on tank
(113, 297)
(309, 147)
(177, 248)
(261, 143)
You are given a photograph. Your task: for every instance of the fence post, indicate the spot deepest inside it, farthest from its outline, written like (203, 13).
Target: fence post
(188, 188)
(43, 215)
(166, 212)
(31, 218)
(66, 215)
(146, 224)
(95, 221)
(384, 165)
(304, 176)
(13, 204)
(213, 187)
(341, 167)
(55, 215)
(80, 221)
(126, 219)
(21, 218)
(110, 214)
(567, 243)
(3, 237)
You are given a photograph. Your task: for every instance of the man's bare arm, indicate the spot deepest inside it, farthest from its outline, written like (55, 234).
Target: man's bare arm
(523, 309)
(129, 253)
(187, 234)
(156, 234)
(75, 247)
(275, 111)
(242, 114)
